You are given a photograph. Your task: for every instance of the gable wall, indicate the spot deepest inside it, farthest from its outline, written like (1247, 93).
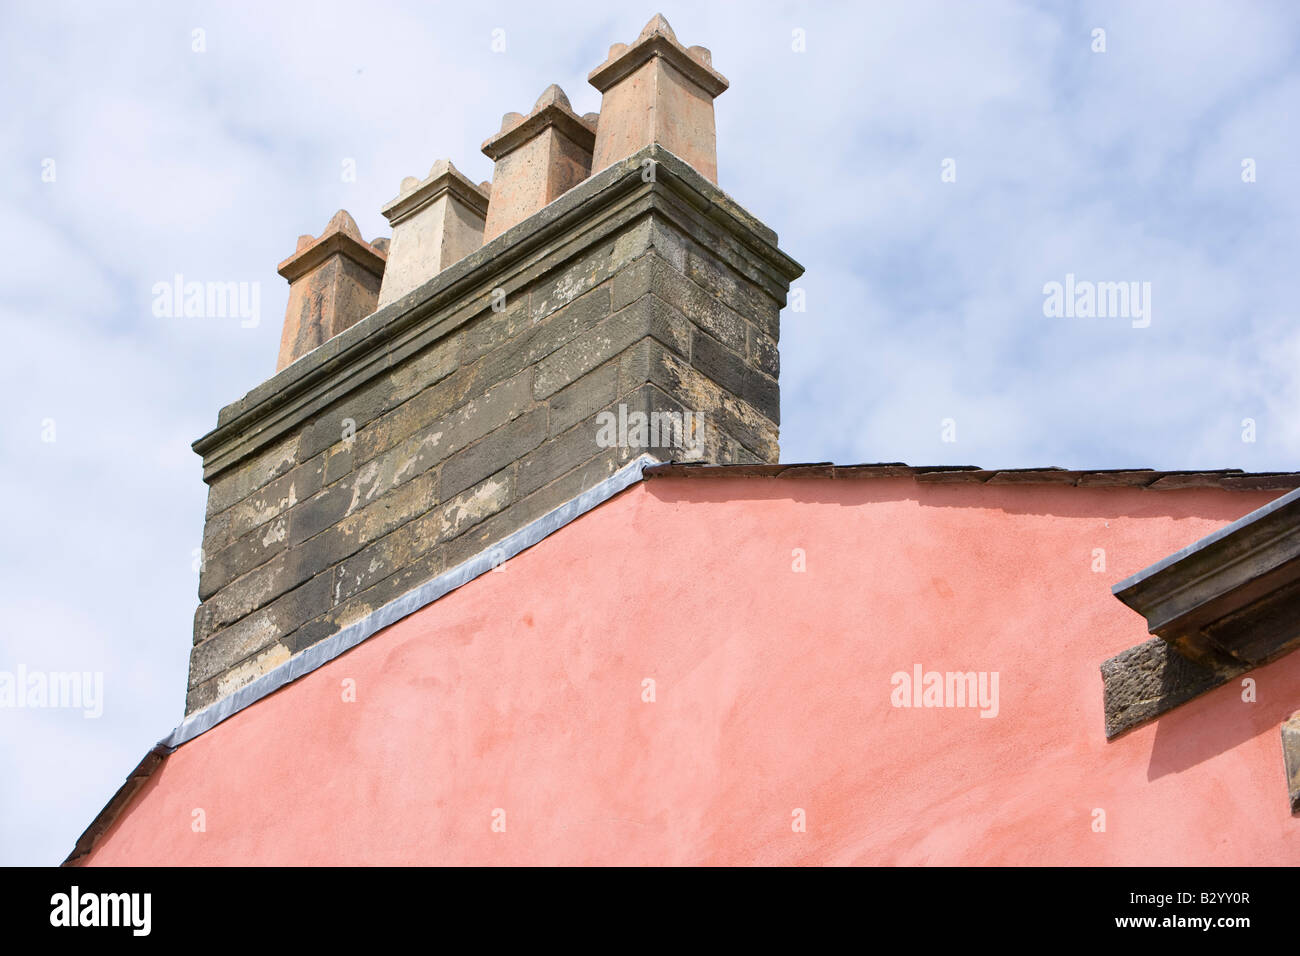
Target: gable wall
(522, 691)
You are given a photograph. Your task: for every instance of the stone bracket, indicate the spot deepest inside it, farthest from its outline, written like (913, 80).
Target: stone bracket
(1223, 605)
(1147, 680)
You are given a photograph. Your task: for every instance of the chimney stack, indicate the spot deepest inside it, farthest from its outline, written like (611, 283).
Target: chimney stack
(435, 223)
(538, 157)
(658, 91)
(333, 283)
(604, 317)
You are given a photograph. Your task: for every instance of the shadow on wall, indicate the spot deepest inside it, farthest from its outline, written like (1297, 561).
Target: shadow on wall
(1057, 500)
(1220, 720)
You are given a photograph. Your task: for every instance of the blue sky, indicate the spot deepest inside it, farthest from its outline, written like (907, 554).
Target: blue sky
(924, 298)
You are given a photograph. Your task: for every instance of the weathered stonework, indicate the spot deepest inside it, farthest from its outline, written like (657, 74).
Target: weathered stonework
(1147, 680)
(453, 416)
(1219, 607)
(1291, 759)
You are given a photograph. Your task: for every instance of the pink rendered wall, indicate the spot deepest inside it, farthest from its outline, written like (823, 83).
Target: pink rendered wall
(523, 691)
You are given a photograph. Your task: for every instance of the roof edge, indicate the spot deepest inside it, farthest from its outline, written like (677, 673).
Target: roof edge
(349, 637)
(1229, 478)
(643, 467)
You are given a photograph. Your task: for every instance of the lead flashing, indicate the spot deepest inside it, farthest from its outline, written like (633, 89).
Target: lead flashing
(349, 637)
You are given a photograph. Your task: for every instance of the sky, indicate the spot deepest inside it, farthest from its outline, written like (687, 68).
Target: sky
(933, 166)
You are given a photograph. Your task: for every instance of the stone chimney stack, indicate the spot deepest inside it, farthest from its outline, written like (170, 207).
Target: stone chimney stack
(658, 91)
(538, 157)
(435, 223)
(333, 284)
(465, 391)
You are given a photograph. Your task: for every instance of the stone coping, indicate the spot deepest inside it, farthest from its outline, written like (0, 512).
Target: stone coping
(695, 64)
(583, 217)
(443, 178)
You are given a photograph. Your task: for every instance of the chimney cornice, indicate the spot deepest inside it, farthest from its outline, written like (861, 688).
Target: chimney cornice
(556, 114)
(311, 252)
(443, 178)
(583, 217)
(695, 64)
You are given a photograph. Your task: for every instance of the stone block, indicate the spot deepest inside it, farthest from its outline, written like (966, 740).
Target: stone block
(650, 274)
(1291, 759)
(271, 500)
(493, 452)
(730, 371)
(1145, 681)
(717, 407)
(738, 293)
(251, 474)
(359, 408)
(646, 316)
(583, 398)
(250, 635)
(557, 288)
(254, 548)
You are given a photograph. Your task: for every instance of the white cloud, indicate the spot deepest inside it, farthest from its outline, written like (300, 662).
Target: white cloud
(924, 298)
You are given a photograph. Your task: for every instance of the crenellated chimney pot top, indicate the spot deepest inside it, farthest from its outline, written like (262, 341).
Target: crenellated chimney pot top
(658, 40)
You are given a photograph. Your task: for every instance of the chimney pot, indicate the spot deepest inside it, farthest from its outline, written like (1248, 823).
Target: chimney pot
(538, 158)
(657, 91)
(435, 222)
(463, 414)
(333, 283)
